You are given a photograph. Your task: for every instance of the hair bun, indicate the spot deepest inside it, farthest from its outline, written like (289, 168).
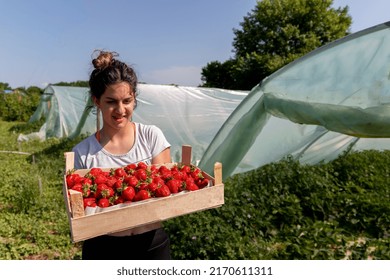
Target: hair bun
(104, 59)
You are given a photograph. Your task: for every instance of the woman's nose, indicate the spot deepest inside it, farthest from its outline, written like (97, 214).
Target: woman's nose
(120, 108)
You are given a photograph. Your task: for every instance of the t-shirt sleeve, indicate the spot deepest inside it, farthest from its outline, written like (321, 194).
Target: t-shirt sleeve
(157, 140)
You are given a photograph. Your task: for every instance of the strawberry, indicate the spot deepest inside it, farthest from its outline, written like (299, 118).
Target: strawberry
(158, 180)
(130, 168)
(163, 191)
(111, 181)
(189, 184)
(142, 165)
(100, 179)
(128, 193)
(118, 200)
(152, 187)
(120, 172)
(192, 187)
(142, 195)
(141, 174)
(72, 179)
(78, 187)
(174, 185)
(131, 180)
(89, 202)
(94, 172)
(202, 182)
(86, 190)
(104, 191)
(179, 175)
(196, 173)
(185, 169)
(86, 180)
(103, 202)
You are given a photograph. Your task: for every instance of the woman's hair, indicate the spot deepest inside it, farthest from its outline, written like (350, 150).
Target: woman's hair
(108, 71)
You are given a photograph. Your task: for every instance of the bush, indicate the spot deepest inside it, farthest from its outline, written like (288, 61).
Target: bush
(283, 210)
(18, 107)
(286, 210)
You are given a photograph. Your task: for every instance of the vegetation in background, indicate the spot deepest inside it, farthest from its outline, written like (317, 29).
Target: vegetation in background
(283, 210)
(19, 105)
(273, 34)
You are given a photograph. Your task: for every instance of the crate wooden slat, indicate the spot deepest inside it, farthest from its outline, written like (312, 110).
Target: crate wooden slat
(140, 213)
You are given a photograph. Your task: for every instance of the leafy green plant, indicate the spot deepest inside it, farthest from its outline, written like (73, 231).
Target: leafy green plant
(284, 210)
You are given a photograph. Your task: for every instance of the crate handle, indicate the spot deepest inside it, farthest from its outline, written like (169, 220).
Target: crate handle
(218, 173)
(69, 161)
(186, 155)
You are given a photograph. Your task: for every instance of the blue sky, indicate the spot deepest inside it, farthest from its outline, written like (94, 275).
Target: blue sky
(167, 41)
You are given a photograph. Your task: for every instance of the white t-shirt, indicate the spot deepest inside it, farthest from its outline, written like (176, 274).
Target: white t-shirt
(149, 142)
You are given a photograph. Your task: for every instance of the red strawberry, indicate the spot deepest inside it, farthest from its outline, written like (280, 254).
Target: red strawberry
(130, 168)
(72, 179)
(158, 180)
(192, 187)
(196, 173)
(93, 172)
(131, 180)
(174, 185)
(202, 182)
(142, 165)
(118, 200)
(142, 195)
(152, 187)
(100, 179)
(185, 169)
(118, 185)
(86, 190)
(103, 202)
(89, 201)
(128, 193)
(189, 184)
(120, 172)
(111, 181)
(141, 174)
(104, 191)
(179, 175)
(78, 187)
(86, 180)
(163, 191)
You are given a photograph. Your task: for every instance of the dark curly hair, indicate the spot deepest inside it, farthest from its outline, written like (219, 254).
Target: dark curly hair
(108, 71)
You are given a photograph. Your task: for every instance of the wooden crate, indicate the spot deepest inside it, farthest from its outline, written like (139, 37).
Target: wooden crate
(139, 213)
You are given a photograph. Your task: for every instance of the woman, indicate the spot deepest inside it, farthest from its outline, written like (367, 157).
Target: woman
(113, 88)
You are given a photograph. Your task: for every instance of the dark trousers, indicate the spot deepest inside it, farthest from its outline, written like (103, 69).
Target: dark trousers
(151, 245)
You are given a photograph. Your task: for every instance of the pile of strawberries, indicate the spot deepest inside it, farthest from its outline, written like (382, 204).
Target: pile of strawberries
(134, 182)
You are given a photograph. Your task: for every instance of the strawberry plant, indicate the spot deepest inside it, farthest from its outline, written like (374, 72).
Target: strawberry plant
(283, 210)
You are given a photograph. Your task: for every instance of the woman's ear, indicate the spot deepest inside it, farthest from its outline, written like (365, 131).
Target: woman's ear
(96, 101)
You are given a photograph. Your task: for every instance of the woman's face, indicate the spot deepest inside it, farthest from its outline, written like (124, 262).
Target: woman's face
(116, 105)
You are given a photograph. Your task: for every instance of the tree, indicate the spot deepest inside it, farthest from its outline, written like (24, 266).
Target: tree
(34, 90)
(275, 33)
(73, 84)
(3, 87)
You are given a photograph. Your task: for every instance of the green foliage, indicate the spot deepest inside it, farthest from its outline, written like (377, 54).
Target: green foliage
(18, 106)
(286, 210)
(283, 210)
(73, 84)
(273, 34)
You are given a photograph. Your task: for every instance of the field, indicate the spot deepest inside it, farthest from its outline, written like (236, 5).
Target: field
(284, 210)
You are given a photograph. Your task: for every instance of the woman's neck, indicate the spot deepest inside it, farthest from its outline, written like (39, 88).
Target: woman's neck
(118, 141)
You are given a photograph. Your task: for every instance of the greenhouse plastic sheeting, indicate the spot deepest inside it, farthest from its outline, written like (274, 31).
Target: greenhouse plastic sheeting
(334, 99)
(186, 115)
(62, 108)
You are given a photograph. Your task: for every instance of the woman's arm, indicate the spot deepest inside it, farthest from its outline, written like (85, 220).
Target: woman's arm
(163, 157)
